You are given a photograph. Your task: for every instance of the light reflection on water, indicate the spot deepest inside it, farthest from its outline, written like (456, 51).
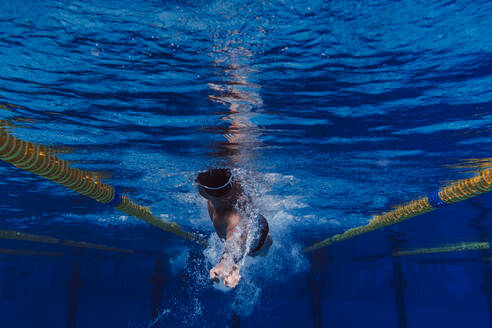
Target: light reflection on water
(338, 110)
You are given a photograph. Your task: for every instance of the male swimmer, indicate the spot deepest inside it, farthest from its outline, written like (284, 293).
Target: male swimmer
(226, 207)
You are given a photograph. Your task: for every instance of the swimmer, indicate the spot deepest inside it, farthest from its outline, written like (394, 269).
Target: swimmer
(226, 203)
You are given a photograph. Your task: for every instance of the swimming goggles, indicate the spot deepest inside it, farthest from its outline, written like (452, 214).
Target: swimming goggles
(216, 188)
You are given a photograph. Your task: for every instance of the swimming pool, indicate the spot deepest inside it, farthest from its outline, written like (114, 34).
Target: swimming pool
(332, 112)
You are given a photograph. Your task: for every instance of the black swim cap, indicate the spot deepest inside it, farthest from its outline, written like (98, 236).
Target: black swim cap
(216, 182)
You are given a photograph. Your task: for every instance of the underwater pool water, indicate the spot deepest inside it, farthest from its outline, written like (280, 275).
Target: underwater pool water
(330, 112)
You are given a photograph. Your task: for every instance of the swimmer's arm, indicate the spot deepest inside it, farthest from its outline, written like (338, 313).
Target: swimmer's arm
(235, 245)
(228, 268)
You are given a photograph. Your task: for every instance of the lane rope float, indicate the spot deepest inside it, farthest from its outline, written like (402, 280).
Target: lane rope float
(17, 235)
(445, 248)
(41, 160)
(455, 192)
(459, 247)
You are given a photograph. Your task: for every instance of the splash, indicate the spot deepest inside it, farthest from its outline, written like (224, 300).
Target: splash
(196, 295)
(284, 258)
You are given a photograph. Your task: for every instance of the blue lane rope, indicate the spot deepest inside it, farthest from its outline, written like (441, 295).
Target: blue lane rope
(116, 201)
(436, 201)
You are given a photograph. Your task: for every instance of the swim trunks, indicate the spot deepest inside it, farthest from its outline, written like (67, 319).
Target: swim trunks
(263, 229)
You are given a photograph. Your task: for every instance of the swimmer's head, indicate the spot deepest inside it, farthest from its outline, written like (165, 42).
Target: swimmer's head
(214, 182)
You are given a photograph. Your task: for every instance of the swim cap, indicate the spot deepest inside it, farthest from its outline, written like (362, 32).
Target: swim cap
(216, 182)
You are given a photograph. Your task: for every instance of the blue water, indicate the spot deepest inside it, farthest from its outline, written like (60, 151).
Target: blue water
(332, 111)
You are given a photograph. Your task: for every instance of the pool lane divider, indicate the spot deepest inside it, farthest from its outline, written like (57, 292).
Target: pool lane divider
(445, 248)
(17, 235)
(455, 192)
(459, 247)
(41, 160)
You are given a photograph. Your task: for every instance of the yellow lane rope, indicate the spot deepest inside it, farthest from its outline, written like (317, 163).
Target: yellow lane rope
(460, 247)
(456, 192)
(41, 160)
(16, 235)
(446, 248)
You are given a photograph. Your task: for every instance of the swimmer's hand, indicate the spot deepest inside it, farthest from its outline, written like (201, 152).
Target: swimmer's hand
(229, 274)
(215, 273)
(232, 279)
